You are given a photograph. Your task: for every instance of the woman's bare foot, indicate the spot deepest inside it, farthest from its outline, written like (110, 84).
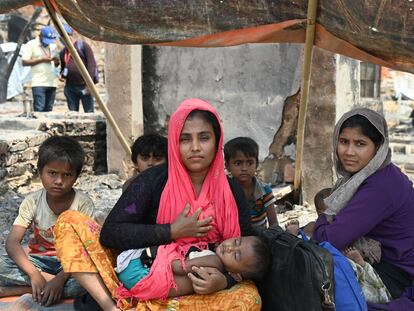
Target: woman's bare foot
(292, 227)
(354, 255)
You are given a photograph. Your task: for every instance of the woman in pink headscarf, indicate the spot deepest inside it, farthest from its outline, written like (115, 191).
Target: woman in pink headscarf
(189, 203)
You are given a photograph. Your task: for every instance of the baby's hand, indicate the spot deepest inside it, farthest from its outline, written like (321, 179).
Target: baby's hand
(353, 254)
(292, 226)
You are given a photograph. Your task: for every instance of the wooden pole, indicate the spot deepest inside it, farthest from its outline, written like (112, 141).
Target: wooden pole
(304, 93)
(85, 74)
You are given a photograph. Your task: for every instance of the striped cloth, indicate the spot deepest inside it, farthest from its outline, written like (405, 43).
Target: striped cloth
(262, 198)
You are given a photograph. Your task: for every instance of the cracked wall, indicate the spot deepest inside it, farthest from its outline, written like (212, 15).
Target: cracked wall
(256, 90)
(247, 84)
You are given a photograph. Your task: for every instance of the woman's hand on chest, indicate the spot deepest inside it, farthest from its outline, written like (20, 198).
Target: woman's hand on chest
(189, 226)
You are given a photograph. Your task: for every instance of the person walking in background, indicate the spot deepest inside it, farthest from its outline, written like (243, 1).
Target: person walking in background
(75, 86)
(42, 55)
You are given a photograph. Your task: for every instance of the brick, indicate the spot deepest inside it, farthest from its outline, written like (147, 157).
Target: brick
(28, 154)
(18, 146)
(3, 173)
(12, 159)
(4, 146)
(18, 169)
(37, 140)
(22, 180)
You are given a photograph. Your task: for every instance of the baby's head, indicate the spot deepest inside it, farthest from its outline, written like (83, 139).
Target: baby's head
(59, 163)
(242, 158)
(319, 197)
(245, 257)
(149, 150)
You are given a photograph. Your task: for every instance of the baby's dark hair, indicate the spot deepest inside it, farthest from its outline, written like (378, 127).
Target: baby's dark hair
(61, 148)
(318, 200)
(260, 266)
(245, 145)
(367, 128)
(209, 117)
(149, 143)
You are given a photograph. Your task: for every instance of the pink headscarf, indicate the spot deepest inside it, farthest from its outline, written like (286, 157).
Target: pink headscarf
(216, 199)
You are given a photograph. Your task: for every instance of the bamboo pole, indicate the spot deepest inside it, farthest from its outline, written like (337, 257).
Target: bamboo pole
(85, 74)
(304, 93)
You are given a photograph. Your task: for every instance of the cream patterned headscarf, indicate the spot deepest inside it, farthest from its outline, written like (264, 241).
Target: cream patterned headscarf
(348, 184)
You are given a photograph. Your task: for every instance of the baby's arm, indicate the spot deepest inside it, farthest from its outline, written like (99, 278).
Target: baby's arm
(16, 252)
(205, 261)
(184, 284)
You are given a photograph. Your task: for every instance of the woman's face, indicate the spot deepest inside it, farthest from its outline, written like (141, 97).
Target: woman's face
(354, 149)
(197, 145)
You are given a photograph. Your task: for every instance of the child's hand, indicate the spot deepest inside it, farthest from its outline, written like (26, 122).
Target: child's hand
(52, 292)
(38, 283)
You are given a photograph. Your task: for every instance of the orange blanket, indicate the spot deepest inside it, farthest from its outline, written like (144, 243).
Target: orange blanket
(82, 252)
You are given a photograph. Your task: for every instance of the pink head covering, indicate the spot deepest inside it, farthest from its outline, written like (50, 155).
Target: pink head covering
(216, 199)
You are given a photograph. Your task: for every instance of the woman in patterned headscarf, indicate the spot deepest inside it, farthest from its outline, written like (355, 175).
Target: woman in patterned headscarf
(372, 198)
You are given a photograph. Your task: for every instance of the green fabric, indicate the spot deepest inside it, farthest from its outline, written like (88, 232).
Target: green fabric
(133, 273)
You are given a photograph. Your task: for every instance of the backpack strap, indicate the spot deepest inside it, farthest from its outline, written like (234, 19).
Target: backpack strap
(81, 49)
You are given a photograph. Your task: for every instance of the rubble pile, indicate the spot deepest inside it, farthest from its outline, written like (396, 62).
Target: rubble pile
(20, 139)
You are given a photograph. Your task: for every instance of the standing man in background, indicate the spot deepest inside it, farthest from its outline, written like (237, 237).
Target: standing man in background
(75, 87)
(42, 55)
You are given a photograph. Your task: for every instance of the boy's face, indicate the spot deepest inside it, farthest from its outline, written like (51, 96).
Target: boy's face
(58, 178)
(237, 254)
(144, 162)
(242, 168)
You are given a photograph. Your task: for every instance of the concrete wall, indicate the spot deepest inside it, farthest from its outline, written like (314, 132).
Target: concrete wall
(123, 84)
(247, 84)
(334, 90)
(347, 86)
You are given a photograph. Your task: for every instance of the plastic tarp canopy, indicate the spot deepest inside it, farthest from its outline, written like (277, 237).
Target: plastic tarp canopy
(376, 31)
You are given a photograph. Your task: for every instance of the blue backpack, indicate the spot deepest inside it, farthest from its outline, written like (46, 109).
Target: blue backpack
(348, 293)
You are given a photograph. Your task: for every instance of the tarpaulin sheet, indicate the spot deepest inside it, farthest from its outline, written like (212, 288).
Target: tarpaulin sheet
(376, 31)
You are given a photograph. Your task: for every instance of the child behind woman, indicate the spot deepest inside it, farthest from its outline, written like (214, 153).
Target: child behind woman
(147, 151)
(39, 272)
(241, 155)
